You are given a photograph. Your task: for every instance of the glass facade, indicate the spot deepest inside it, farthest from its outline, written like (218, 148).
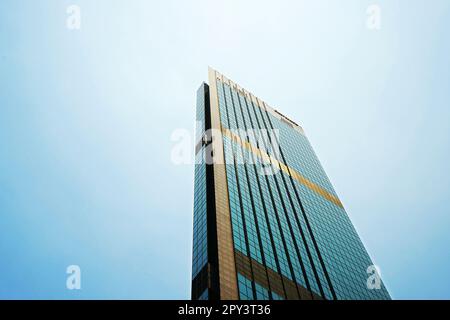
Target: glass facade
(291, 236)
(200, 245)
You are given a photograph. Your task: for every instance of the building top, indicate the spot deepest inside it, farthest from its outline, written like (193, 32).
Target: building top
(257, 101)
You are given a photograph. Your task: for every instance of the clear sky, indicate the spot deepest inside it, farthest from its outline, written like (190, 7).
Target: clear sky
(86, 118)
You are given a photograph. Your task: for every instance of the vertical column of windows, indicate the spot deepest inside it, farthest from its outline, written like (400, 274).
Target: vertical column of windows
(200, 243)
(274, 249)
(199, 250)
(255, 192)
(314, 263)
(308, 279)
(277, 236)
(251, 245)
(259, 208)
(320, 272)
(294, 266)
(246, 200)
(271, 216)
(237, 221)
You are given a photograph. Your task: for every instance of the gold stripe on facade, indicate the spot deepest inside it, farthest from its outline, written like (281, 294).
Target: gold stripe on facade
(283, 167)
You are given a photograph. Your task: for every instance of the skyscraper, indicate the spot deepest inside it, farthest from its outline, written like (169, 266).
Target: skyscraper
(267, 221)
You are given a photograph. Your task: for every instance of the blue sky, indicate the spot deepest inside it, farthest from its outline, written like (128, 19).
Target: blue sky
(86, 118)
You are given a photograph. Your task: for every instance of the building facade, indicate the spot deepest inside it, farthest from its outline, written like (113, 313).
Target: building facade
(267, 222)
